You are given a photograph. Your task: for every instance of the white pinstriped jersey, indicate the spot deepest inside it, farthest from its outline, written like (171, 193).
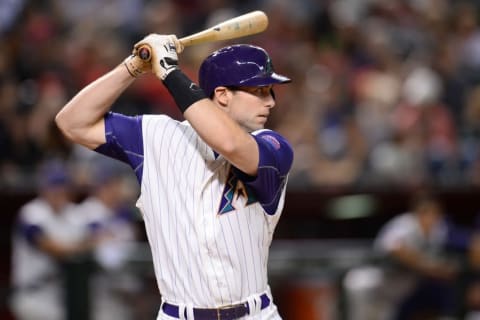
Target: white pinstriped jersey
(209, 226)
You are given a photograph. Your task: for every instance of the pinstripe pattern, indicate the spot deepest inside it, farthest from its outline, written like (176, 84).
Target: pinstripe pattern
(200, 257)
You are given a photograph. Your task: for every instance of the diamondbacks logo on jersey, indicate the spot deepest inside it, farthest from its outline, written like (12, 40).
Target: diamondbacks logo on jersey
(235, 195)
(272, 141)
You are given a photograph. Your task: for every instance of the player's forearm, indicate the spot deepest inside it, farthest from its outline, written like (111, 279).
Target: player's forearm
(81, 119)
(409, 258)
(419, 263)
(61, 250)
(213, 125)
(224, 135)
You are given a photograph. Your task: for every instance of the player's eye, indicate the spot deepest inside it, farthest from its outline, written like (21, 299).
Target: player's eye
(259, 91)
(256, 91)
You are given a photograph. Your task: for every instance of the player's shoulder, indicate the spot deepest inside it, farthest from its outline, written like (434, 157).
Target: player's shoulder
(35, 211)
(157, 118)
(93, 209)
(155, 121)
(405, 219)
(89, 205)
(404, 223)
(274, 139)
(155, 125)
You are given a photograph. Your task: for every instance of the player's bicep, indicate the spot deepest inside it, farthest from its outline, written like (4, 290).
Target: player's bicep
(90, 137)
(96, 135)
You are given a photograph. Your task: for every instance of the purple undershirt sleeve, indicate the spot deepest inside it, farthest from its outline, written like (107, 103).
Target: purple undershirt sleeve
(31, 232)
(124, 140)
(276, 157)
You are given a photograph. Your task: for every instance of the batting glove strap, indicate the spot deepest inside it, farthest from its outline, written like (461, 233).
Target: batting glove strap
(183, 90)
(164, 49)
(135, 65)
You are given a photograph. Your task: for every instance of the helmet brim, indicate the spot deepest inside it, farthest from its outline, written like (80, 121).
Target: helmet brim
(265, 80)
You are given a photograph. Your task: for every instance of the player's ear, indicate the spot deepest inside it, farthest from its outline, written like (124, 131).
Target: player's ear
(222, 95)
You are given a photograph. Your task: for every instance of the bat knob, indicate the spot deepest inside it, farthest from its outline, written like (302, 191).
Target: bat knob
(144, 53)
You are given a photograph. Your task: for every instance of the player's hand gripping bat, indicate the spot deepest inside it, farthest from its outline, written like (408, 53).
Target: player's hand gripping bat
(247, 24)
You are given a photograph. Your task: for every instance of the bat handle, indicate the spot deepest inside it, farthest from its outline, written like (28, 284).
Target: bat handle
(144, 52)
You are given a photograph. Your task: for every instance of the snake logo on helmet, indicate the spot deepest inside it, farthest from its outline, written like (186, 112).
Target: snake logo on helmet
(238, 65)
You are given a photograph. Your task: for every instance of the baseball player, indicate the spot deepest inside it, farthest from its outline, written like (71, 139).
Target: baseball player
(48, 230)
(112, 282)
(416, 273)
(212, 186)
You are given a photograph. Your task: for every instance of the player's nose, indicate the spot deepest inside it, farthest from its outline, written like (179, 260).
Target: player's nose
(270, 100)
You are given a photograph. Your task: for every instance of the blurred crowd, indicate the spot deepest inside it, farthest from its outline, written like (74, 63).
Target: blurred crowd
(384, 92)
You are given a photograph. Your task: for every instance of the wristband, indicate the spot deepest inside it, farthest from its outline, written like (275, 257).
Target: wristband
(183, 90)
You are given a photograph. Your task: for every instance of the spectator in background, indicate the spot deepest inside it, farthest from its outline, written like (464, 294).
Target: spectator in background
(470, 137)
(416, 270)
(471, 307)
(112, 287)
(48, 231)
(413, 267)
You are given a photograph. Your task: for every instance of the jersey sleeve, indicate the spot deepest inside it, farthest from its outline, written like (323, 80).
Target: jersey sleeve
(30, 223)
(276, 157)
(124, 140)
(31, 232)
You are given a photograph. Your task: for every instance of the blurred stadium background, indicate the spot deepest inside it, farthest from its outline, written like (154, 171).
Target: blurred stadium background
(385, 100)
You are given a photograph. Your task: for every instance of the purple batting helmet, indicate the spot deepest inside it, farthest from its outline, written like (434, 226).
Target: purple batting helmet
(238, 65)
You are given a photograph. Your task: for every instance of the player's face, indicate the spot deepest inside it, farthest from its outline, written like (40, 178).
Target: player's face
(251, 106)
(57, 196)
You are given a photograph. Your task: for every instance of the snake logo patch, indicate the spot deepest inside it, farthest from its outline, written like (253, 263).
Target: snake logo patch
(235, 195)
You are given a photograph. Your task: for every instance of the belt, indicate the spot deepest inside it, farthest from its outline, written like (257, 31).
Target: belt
(223, 313)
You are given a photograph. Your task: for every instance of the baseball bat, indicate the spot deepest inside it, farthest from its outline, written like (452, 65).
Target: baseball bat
(244, 25)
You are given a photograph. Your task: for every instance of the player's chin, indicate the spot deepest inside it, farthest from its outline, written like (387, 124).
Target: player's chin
(256, 124)
(261, 121)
